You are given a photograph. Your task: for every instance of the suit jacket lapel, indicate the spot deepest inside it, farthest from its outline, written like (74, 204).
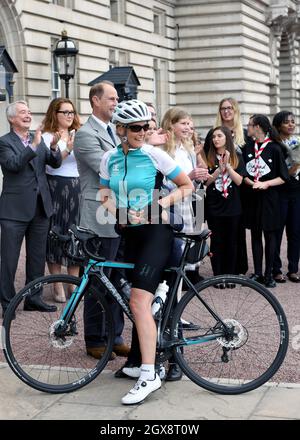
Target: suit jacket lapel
(100, 130)
(18, 145)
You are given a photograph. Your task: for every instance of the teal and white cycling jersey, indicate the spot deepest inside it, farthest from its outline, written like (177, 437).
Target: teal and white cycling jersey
(134, 176)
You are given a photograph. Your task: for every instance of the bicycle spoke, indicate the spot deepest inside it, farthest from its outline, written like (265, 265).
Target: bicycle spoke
(42, 358)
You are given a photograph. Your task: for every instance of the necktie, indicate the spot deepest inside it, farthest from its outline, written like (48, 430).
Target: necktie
(109, 131)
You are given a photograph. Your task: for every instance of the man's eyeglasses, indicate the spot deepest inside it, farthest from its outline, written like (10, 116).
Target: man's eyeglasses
(138, 128)
(226, 109)
(66, 112)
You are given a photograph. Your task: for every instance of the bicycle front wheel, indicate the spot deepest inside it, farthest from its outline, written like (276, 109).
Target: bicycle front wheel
(42, 357)
(242, 354)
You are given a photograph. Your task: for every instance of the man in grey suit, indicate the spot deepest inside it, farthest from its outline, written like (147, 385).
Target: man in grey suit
(95, 137)
(25, 202)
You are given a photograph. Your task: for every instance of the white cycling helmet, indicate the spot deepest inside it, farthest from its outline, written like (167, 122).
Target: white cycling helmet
(128, 112)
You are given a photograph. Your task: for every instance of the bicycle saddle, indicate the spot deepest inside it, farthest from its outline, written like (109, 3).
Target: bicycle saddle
(195, 236)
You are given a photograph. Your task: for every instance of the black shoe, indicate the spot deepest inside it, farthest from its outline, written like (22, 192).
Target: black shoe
(270, 282)
(189, 326)
(279, 278)
(119, 374)
(174, 373)
(37, 304)
(258, 278)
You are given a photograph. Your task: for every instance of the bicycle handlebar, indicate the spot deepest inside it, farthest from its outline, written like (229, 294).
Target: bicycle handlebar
(76, 244)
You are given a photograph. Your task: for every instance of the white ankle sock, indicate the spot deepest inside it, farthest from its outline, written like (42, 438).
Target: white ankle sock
(147, 372)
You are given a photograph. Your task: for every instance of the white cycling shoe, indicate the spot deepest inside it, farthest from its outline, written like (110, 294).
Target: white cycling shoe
(134, 372)
(141, 390)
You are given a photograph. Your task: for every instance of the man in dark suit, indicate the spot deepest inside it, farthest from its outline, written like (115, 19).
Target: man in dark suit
(95, 137)
(25, 202)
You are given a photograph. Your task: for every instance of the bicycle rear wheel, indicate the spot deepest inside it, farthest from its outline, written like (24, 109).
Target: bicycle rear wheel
(244, 355)
(39, 356)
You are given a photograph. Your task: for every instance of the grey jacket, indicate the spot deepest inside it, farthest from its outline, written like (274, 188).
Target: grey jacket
(24, 177)
(90, 144)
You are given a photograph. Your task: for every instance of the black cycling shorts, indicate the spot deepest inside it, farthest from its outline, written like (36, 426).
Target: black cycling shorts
(149, 247)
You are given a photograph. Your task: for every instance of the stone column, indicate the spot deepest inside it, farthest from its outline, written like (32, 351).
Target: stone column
(274, 43)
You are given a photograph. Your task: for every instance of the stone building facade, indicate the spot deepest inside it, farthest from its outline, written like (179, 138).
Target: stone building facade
(186, 52)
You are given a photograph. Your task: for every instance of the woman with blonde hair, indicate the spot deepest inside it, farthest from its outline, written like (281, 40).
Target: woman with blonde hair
(61, 121)
(176, 122)
(229, 116)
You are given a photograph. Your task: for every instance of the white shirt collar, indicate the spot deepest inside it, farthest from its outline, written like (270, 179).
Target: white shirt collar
(103, 124)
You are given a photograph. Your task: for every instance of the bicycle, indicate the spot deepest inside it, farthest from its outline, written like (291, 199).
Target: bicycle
(240, 342)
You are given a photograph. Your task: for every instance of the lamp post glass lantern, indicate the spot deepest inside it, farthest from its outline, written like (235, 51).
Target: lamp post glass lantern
(65, 53)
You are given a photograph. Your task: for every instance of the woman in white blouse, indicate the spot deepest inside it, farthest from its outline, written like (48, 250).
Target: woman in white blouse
(62, 121)
(176, 123)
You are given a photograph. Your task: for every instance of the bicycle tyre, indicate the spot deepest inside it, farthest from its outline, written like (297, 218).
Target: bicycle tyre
(41, 359)
(260, 340)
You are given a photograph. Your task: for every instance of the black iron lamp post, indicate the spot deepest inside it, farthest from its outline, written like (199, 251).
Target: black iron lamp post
(65, 54)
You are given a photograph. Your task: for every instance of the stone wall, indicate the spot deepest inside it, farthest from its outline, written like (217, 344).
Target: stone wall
(234, 49)
(97, 36)
(186, 52)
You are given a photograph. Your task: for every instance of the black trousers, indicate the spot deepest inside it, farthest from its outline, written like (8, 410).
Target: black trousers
(12, 234)
(257, 250)
(242, 256)
(290, 219)
(94, 324)
(224, 242)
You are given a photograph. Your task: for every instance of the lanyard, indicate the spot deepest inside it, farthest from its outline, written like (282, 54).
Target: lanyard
(258, 151)
(225, 183)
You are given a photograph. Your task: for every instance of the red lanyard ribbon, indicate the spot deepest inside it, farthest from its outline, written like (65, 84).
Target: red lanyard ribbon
(258, 151)
(225, 177)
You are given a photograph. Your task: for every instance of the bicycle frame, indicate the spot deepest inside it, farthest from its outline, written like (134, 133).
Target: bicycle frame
(96, 269)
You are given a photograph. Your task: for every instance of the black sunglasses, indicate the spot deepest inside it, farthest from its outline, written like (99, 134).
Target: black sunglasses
(138, 128)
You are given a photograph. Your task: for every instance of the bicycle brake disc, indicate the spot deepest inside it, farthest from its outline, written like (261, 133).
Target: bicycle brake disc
(238, 338)
(59, 341)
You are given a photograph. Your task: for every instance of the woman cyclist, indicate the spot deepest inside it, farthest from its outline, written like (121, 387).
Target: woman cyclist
(131, 173)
